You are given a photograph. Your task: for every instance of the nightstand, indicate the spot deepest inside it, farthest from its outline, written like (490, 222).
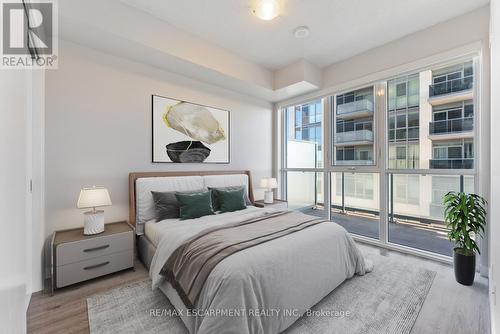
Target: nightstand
(77, 257)
(277, 204)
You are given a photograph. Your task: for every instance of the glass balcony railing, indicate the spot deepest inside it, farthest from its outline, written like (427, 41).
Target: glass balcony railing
(460, 163)
(354, 136)
(355, 106)
(354, 162)
(451, 126)
(451, 86)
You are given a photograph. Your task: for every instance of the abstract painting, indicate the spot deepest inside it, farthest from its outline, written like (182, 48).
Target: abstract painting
(185, 132)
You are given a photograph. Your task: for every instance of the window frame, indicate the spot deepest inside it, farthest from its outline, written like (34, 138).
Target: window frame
(381, 149)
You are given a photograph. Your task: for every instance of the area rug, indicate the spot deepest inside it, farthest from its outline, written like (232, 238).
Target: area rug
(387, 300)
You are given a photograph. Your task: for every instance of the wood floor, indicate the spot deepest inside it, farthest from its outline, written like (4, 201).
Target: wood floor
(448, 308)
(66, 311)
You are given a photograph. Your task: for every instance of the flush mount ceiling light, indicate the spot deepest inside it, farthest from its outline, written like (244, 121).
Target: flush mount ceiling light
(266, 9)
(301, 32)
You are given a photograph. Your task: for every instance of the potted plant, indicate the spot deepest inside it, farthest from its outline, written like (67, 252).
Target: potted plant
(465, 216)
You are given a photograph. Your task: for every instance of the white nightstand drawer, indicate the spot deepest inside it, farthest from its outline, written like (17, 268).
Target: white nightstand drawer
(82, 250)
(84, 270)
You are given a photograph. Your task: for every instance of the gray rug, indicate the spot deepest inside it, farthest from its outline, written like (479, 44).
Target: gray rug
(386, 300)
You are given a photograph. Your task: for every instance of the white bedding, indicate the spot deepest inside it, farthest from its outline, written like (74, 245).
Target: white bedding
(154, 230)
(289, 274)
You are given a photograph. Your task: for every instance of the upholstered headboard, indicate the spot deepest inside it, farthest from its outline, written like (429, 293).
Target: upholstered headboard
(181, 179)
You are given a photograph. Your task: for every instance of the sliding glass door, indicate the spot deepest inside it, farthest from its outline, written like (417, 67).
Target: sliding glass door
(302, 178)
(378, 159)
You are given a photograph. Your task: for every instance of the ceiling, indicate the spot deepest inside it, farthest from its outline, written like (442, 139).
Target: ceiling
(339, 28)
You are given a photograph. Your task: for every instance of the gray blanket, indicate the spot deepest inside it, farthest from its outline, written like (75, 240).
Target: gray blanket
(261, 289)
(191, 263)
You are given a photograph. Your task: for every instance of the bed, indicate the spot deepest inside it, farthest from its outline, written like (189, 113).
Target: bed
(262, 288)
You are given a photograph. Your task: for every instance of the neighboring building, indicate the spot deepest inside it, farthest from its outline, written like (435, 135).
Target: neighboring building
(404, 122)
(451, 130)
(354, 128)
(452, 126)
(305, 124)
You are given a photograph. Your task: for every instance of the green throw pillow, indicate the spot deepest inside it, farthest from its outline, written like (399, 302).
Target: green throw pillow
(231, 200)
(194, 205)
(215, 195)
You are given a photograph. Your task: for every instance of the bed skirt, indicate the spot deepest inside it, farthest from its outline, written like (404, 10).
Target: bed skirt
(146, 250)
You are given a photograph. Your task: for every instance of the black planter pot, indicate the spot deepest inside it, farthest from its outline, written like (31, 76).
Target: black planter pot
(465, 267)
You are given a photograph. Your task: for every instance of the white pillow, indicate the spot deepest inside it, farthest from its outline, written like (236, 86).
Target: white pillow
(145, 210)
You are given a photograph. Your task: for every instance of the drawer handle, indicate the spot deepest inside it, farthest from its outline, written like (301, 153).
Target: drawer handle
(96, 266)
(96, 248)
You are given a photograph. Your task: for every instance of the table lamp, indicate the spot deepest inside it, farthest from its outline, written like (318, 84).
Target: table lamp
(93, 197)
(269, 184)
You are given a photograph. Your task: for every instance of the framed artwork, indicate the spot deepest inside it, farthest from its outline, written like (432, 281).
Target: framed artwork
(185, 132)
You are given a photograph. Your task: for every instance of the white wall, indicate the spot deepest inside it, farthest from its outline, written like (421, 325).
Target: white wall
(494, 205)
(98, 129)
(14, 86)
(440, 40)
(442, 37)
(37, 227)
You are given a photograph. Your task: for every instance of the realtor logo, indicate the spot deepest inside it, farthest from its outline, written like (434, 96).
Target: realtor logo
(28, 35)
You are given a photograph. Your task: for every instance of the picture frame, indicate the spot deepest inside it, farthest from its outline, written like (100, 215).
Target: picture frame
(188, 132)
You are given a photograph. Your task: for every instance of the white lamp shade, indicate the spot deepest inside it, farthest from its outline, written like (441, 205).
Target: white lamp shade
(269, 183)
(93, 197)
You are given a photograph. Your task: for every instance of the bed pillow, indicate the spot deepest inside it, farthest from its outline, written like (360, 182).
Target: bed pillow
(194, 205)
(215, 195)
(166, 205)
(232, 200)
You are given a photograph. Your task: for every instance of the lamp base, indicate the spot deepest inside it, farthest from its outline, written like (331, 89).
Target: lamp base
(93, 222)
(269, 197)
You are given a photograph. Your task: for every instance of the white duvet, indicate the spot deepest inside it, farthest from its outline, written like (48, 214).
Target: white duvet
(262, 289)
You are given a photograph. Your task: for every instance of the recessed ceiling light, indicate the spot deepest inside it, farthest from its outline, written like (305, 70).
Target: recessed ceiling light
(301, 32)
(266, 9)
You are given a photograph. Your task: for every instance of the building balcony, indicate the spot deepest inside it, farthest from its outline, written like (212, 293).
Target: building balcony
(404, 163)
(354, 162)
(451, 91)
(459, 163)
(452, 128)
(355, 109)
(358, 137)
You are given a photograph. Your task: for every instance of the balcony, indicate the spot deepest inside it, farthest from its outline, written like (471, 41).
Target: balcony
(451, 91)
(460, 163)
(355, 109)
(354, 162)
(452, 128)
(421, 235)
(358, 137)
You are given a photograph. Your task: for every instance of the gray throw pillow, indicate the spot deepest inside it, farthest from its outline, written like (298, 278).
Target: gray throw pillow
(166, 205)
(216, 200)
